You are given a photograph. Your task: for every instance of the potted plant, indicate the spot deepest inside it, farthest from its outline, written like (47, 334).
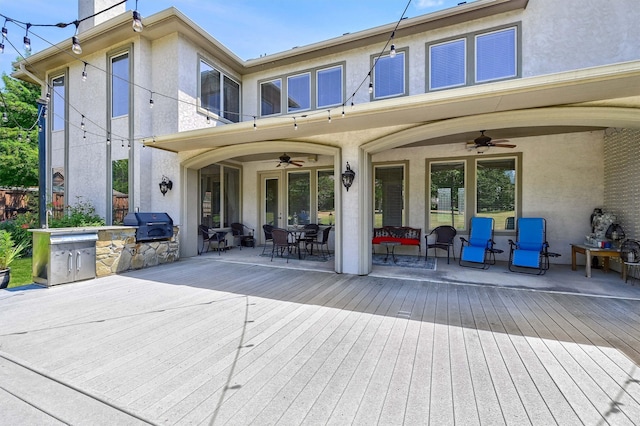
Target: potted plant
(9, 251)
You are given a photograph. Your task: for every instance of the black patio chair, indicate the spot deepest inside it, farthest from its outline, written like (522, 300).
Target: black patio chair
(208, 237)
(311, 231)
(282, 242)
(444, 241)
(241, 238)
(324, 241)
(267, 236)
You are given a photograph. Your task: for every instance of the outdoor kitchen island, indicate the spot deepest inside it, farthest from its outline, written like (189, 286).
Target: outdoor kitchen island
(84, 253)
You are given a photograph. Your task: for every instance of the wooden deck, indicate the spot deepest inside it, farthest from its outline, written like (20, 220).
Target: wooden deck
(206, 342)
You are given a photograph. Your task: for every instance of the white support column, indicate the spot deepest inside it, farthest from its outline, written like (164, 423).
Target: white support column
(353, 214)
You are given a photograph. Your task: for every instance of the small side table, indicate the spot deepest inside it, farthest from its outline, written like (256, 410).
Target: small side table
(393, 245)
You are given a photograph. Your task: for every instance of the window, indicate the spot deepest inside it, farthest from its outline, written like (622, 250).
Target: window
(496, 190)
(302, 90)
(474, 58)
(120, 182)
(329, 87)
(58, 107)
(447, 67)
(299, 92)
(326, 197)
(388, 75)
(270, 97)
(220, 195)
(120, 85)
(389, 197)
(496, 55)
(462, 188)
(224, 103)
(298, 196)
(447, 195)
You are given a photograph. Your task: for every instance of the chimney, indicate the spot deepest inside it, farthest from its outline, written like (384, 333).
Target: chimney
(91, 7)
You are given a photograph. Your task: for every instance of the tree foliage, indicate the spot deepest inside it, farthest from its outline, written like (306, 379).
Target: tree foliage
(18, 144)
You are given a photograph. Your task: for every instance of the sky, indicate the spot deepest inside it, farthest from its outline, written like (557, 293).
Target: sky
(249, 28)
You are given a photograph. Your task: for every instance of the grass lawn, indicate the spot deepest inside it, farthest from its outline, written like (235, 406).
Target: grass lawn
(21, 272)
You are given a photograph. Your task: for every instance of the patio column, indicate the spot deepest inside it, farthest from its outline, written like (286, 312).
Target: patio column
(353, 215)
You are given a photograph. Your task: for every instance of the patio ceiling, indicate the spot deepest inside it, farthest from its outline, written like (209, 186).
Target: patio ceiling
(609, 86)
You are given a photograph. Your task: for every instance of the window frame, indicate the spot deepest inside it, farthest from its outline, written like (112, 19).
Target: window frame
(471, 187)
(222, 194)
(313, 76)
(218, 115)
(471, 56)
(430, 62)
(303, 108)
(404, 52)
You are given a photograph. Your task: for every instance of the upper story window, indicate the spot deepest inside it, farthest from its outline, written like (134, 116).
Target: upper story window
(219, 94)
(120, 85)
(329, 87)
(474, 58)
(389, 76)
(58, 107)
(270, 97)
(301, 91)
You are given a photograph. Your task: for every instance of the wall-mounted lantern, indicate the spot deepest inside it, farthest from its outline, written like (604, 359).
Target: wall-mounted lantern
(347, 177)
(165, 185)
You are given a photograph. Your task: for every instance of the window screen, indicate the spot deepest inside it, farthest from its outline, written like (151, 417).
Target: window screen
(299, 92)
(447, 64)
(329, 87)
(120, 85)
(270, 97)
(496, 55)
(389, 76)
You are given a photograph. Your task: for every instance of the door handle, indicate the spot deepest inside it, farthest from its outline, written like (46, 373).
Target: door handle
(70, 261)
(78, 261)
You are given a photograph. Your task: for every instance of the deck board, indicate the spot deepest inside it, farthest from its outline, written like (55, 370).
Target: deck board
(202, 341)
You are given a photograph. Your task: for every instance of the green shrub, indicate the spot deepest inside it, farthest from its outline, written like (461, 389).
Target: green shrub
(81, 214)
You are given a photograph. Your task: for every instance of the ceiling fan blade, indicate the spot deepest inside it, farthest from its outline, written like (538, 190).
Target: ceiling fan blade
(295, 164)
(504, 145)
(279, 164)
(495, 141)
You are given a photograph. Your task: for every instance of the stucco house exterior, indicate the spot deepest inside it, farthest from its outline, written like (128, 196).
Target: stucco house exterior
(560, 80)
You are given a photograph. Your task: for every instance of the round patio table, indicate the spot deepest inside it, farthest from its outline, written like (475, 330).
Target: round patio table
(392, 251)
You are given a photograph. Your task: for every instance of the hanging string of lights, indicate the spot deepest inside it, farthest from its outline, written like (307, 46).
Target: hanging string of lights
(138, 27)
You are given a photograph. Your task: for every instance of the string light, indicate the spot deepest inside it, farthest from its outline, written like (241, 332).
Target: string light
(370, 83)
(82, 122)
(75, 43)
(27, 41)
(254, 123)
(84, 72)
(4, 35)
(137, 20)
(392, 53)
(151, 100)
(295, 124)
(329, 112)
(208, 117)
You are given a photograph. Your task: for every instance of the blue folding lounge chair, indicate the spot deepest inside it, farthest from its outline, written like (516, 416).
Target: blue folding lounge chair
(531, 248)
(478, 248)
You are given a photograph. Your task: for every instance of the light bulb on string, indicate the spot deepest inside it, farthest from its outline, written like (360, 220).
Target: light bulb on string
(137, 20)
(392, 53)
(329, 118)
(342, 110)
(151, 101)
(82, 122)
(254, 123)
(75, 43)
(84, 72)
(27, 41)
(295, 124)
(2, 47)
(370, 83)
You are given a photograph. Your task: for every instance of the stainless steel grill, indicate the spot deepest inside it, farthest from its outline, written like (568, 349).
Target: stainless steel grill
(151, 226)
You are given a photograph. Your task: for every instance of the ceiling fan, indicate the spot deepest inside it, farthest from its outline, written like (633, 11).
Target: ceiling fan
(484, 142)
(285, 160)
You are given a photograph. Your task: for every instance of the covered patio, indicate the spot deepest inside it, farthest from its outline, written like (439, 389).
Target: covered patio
(218, 339)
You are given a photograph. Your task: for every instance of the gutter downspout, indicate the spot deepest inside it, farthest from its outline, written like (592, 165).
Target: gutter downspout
(42, 151)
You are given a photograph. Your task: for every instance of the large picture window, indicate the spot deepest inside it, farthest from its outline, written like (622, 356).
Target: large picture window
(220, 195)
(388, 75)
(329, 87)
(224, 103)
(447, 195)
(389, 200)
(120, 85)
(474, 58)
(462, 188)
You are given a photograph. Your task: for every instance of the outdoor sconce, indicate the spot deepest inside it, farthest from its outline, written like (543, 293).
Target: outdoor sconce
(165, 185)
(347, 177)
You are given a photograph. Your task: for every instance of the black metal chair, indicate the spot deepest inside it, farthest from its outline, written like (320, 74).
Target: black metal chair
(208, 237)
(282, 242)
(239, 236)
(311, 231)
(444, 241)
(267, 229)
(322, 242)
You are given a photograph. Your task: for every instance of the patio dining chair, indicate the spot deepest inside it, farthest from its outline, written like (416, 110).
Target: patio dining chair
(444, 241)
(209, 237)
(530, 250)
(239, 235)
(478, 249)
(324, 241)
(282, 242)
(268, 237)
